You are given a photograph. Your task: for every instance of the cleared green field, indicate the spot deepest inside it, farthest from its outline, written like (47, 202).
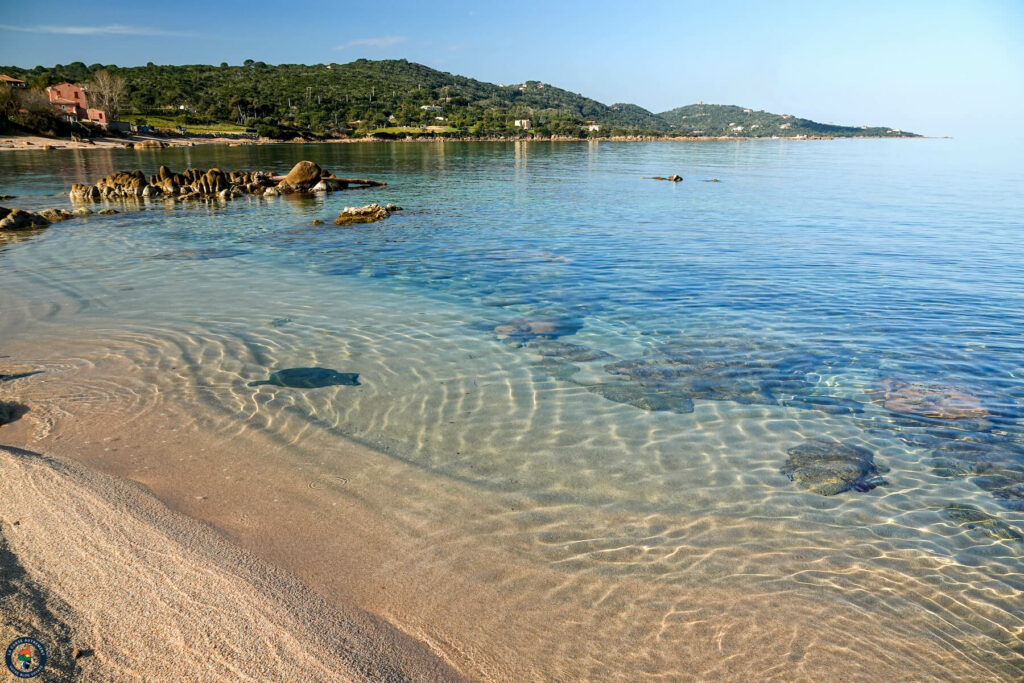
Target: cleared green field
(174, 122)
(402, 130)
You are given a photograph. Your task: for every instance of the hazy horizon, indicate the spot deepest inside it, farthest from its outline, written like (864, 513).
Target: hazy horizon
(932, 68)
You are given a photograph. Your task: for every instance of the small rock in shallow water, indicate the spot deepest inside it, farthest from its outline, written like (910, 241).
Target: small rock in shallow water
(539, 328)
(365, 214)
(317, 221)
(309, 378)
(645, 397)
(9, 412)
(557, 369)
(977, 520)
(929, 400)
(107, 212)
(572, 352)
(829, 467)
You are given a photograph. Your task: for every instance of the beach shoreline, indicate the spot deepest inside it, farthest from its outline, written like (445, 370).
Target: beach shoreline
(23, 142)
(96, 564)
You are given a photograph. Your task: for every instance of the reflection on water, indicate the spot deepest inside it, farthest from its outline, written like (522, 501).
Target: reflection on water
(805, 377)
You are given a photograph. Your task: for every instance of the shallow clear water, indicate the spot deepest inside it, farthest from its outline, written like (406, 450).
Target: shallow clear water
(817, 297)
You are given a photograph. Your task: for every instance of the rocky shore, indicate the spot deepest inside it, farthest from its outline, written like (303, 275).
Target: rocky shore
(195, 183)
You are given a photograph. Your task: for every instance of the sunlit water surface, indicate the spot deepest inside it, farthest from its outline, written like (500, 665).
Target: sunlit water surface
(671, 345)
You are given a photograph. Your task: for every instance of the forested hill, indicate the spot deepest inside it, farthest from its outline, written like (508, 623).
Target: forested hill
(363, 96)
(715, 120)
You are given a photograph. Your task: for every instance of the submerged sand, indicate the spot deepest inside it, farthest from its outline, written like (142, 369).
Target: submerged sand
(93, 563)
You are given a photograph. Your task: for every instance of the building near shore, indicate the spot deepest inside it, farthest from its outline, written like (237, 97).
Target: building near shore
(70, 101)
(11, 82)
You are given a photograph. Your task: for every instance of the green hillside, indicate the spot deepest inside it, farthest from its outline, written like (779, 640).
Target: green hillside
(365, 97)
(720, 120)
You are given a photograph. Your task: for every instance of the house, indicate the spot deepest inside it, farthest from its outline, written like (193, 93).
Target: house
(522, 123)
(431, 107)
(11, 82)
(68, 101)
(592, 126)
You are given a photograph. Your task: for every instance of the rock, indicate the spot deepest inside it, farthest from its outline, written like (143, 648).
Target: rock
(309, 378)
(56, 215)
(149, 144)
(82, 211)
(828, 467)
(651, 398)
(930, 400)
(973, 519)
(363, 214)
(539, 328)
(303, 176)
(672, 178)
(320, 187)
(572, 352)
(271, 192)
(9, 412)
(556, 369)
(107, 212)
(317, 221)
(16, 219)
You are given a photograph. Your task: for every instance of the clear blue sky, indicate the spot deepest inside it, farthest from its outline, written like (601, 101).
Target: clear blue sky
(934, 67)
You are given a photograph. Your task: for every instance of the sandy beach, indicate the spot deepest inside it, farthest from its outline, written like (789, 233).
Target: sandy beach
(96, 564)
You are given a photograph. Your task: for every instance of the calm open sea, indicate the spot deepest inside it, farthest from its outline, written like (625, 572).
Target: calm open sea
(816, 362)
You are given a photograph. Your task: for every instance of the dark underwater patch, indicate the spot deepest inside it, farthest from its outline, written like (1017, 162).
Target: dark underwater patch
(309, 378)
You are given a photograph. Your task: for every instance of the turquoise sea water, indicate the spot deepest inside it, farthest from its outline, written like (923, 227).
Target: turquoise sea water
(542, 320)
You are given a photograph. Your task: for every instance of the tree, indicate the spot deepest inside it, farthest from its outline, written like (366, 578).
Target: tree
(110, 91)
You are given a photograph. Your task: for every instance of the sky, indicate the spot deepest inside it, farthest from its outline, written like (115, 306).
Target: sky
(935, 67)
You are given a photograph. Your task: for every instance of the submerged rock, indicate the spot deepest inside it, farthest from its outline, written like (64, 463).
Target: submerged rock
(651, 398)
(557, 369)
(107, 212)
(309, 378)
(974, 519)
(571, 352)
(9, 411)
(542, 327)
(365, 214)
(930, 400)
(829, 467)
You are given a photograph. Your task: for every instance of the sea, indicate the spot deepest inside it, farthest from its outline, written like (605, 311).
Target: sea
(762, 421)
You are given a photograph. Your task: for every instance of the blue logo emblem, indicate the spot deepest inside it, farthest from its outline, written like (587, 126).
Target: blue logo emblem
(26, 657)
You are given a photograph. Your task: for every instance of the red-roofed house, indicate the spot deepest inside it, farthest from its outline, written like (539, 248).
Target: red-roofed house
(11, 82)
(71, 101)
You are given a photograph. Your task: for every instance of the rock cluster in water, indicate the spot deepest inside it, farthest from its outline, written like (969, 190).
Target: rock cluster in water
(305, 176)
(829, 467)
(365, 214)
(17, 219)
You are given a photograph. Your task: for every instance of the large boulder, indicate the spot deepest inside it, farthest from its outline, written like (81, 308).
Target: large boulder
(303, 176)
(16, 219)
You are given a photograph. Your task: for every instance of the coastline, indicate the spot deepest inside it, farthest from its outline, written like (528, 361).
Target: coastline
(97, 564)
(24, 143)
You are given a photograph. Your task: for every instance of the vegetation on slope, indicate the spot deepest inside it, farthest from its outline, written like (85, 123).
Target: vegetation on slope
(365, 96)
(717, 120)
